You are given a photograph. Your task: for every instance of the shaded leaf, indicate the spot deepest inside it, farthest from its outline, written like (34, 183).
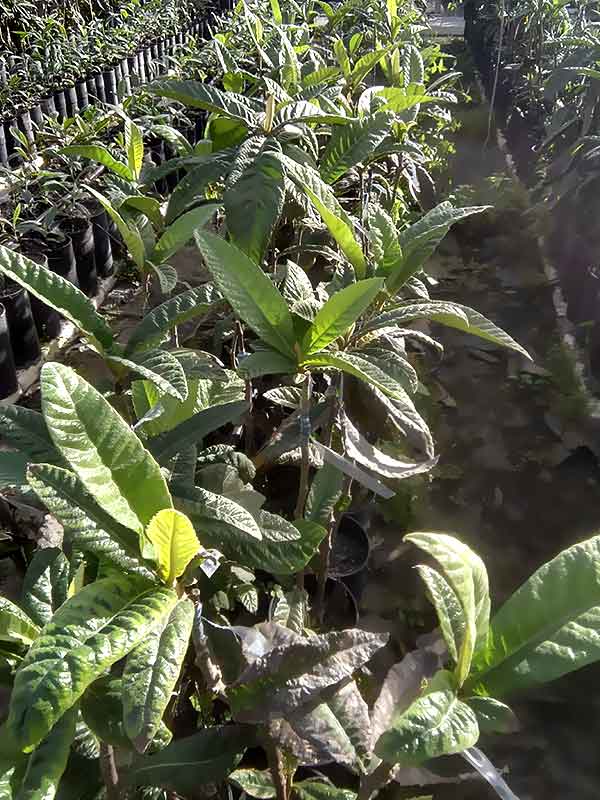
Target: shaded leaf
(45, 584)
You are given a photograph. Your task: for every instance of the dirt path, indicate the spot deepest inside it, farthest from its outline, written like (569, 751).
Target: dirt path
(515, 480)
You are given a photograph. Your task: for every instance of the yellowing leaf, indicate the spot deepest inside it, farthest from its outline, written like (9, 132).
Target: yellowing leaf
(175, 542)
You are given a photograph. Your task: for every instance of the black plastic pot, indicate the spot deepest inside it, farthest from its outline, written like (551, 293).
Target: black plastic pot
(48, 105)
(149, 64)
(125, 83)
(23, 333)
(349, 549)
(81, 88)
(71, 101)
(61, 258)
(60, 104)
(157, 154)
(25, 126)
(9, 124)
(3, 146)
(100, 88)
(200, 124)
(141, 66)
(82, 236)
(9, 384)
(47, 320)
(154, 51)
(110, 86)
(37, 117)
(92, 89)
(102, 245)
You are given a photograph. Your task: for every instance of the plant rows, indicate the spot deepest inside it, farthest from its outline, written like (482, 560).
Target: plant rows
(177, 644)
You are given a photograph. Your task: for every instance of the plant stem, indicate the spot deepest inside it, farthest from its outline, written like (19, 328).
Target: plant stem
(305, 466)
(109, 772)
(276, 765)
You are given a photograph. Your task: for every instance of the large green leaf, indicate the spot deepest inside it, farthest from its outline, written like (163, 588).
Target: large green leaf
(309, 182)
(16, 627)
(325, 491)
(151, 672)
(249, 291)
(254, 203)
(194, 429)
(436, 724)
(265, 362)
(322, 790)
(339, 313)
(467, 576)
(175, 543)
(256, 783)
(102, 710)
(102, 450)
(13, 467)
(45, 585)
(158, 366)
(90, 632)
(150, 207)
(420, 240)
(99, 154)
(448, 608)
(87, 526)
(48, 761)
(201, 95)
(385, 243)
(26, 430)
(175, 311)
(187, 764)
(213, 513)
(56, 292)
(549, 626)
(182, 231)
(351, 144)
(360, 367)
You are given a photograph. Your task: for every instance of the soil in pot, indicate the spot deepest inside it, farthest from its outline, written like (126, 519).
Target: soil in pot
(82, 237)
(8, 371)
(21, 326)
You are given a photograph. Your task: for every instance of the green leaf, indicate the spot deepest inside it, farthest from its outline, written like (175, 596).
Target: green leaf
(320, 790)
(131, 236)
(291, 610)
(158, 366)
(175, 543)
(276, 11)
(309, 182)
(26, 430)
(325, 491)
(152, 670)
(249, 291)
(175, 311)
(180, 232)
(420, 240)
(290, 71)
(102, 711)
(467, 576)
(134, 144)
(448, 608)
(166, 276)
(214, 512)
(360, 367)
(194, 429)
(399, 99)
(385, 244)
(253, 204)
(200, 95)
(15, 625)
(45, 585)
(342, 57)
(493, 716)
(56, 292)
(266, 362)
(548, 628)
(283, 550)
(150, 207)
(13, 468)
(102, 450)
(88, 634)
(192, 188)
(436, 724)
(49, 760)
(351, 144)
(186, 764)
(255, 783)
(339, 313)
(99, 154)
(365, 64)
(87, 526)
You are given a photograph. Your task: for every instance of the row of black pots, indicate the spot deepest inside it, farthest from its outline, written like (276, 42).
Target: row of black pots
(81, 252)
(108, 86)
